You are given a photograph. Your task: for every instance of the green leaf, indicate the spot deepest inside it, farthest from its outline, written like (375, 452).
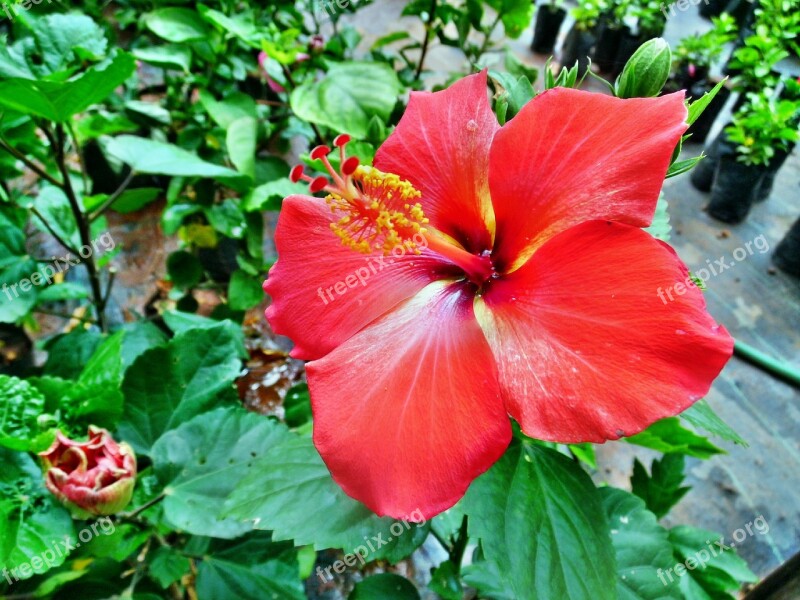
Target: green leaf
(297, 406)
(252, 568)
(241, 141)
(667, 435)
(697, 107)
(169, 385)
(244, 291)
(702, 416)
(446, 582)
(60, 100)
(269, 196)
(515, 14)
(241, 27)
(348, 96)
(58, 292)
(641, 546)
(158, 158)
(485, 577)
(132, 200)
(682, 166)
(32, 525)
(167, 566)
(202, 461)
(662, 490)
(716, 570)
(21, 405)
(15, 266)
(227, 218)
(68, 353)
(232, 108)
(539, 519)
(291, 492)
(140, 336)
(176, 24)
(384, 586)
(169, 56)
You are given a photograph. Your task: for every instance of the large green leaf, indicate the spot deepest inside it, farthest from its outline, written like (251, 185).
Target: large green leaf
(668, 435)
(32, 526)
(539, 518)
(241, 141)
(291, 492)
(250, 568)
(21, 406)
(348, 96)
(60, 100)
(169, 385)
(716, 569)
(233, 107)
(176, 24)
(642, 548)
(171, 55)
(159, 158)
(201, 462)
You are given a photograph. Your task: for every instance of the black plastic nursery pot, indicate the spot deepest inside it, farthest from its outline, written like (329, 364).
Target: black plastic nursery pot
(690, 75)
(735, 189)
(702, 176)
(787, 254)
(771, 172)
(605, 51)
(701, 127)
(545, 30)
(577, 48)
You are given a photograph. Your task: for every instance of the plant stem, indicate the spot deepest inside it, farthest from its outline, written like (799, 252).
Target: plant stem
(460, 545)
(112, 198)
(149, 504)
(52, 231)
(83, 225)
(29, 163)
(427, 40)
(74, 138)
(487, 40)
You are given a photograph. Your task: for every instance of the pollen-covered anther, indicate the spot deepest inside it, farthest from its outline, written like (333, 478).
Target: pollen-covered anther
(379, 212)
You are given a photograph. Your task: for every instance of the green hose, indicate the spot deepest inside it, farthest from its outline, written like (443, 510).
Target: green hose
(773, 366)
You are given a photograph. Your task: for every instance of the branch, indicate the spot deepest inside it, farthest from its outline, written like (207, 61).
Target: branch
(52, 232)
(29, 163)
(112, 198)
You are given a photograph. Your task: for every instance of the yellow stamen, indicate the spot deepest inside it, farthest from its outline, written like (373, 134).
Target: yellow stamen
(379, 211)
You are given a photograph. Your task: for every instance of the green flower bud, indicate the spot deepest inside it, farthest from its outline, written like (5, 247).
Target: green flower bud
(646, 72)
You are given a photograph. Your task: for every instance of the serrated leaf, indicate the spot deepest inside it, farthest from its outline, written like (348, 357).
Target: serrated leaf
(21, 405)
(539, 519)
(667, 435)
(169, 385)
(642, 548)
(291, 492)
(201, 462)
(662, 490)
(702, 416)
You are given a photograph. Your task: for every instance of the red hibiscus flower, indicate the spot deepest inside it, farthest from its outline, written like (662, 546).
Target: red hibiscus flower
(507, 274)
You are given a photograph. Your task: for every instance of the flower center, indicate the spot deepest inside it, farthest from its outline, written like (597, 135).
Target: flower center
(376, 211)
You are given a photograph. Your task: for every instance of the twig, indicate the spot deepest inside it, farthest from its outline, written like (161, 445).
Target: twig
(426, 41)
(83, 224)
(52, 231)
(149, 504)
(112, 198)
(29, 163)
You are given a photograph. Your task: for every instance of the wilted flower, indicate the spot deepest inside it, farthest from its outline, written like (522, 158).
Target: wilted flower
(91, 478)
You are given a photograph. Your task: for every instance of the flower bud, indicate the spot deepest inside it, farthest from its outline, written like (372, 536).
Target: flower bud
(646, 72)
(92, 478)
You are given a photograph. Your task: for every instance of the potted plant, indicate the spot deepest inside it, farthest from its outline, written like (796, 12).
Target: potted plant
(609, 34)
(549, 18)
(763, 126)
(651, 18)
(695, 54)
(581, 38)
(702, 177)
(790, 91)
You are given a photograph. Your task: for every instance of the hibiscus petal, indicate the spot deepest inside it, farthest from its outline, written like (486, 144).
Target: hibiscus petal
(408, 412)
(441, 146)
(571, 156)
(587, 350)
(323, 292)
